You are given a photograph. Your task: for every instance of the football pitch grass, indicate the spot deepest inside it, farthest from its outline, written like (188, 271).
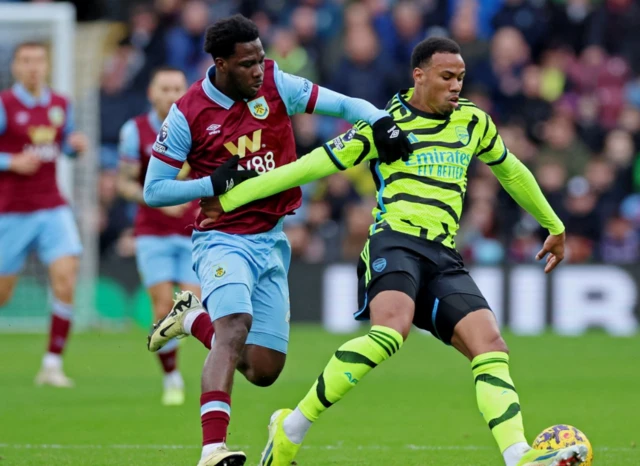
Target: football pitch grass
(416, 409)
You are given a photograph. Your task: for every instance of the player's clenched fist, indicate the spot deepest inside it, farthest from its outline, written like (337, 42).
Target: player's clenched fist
(391, 142)
(79, 142)
(227, 176)
(25, 163)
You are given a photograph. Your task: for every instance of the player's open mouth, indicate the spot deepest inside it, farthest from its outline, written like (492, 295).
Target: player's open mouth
(454, 100)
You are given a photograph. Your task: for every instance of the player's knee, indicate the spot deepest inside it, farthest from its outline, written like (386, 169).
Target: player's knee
(63, 292)
(63, 289)
(495, 342)
(63, 284)
(261, 377)
(393, 309)
(261, 366)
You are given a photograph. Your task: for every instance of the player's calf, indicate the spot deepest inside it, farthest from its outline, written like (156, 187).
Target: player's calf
(62, 274)
(217, 380)
(353, 360)
(477, 336)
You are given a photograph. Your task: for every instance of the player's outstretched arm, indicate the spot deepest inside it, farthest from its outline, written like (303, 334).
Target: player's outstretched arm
(300, 95)
(162, 189)
(390, 141)
(522, 186)
(311, 167)
(345, 151)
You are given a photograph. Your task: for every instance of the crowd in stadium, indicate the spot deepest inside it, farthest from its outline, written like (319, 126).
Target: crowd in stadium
(560, 78)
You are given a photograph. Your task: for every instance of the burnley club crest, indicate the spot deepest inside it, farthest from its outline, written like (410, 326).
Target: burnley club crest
(259, 108)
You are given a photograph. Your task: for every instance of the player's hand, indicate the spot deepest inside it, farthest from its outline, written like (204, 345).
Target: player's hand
(212, 208)
(78, 141)
(391, 142)
(176, 211)
(227, 176)
(25, 163)
(554, 247)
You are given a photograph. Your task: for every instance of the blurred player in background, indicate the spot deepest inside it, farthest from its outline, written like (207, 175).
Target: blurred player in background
(163, 236)
(409, 271)
(36, 126)
(240, 113)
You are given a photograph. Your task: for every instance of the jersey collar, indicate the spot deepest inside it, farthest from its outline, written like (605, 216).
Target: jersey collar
(28, 100)
(433, 116)
(212, 92)
(154, 121)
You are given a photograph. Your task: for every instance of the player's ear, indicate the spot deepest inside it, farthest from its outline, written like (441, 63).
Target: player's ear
(221, 64)
(418, 75)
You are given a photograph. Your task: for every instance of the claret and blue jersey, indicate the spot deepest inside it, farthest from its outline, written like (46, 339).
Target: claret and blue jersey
(242, 259)
(33, 212)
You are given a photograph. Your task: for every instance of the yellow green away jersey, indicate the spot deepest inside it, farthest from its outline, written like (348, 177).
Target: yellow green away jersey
(423, 196)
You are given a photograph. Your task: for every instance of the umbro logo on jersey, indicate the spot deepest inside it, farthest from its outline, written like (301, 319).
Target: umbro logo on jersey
(213, 129)
(393, 132)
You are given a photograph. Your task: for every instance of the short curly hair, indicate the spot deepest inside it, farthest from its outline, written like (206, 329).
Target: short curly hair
(423, 52)
(221, 37)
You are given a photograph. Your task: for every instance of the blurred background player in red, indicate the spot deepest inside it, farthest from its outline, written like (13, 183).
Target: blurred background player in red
(36, 126)
(163, 236)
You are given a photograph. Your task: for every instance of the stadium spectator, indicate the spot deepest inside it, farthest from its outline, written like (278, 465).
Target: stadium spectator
(559, 78)
(185, 42)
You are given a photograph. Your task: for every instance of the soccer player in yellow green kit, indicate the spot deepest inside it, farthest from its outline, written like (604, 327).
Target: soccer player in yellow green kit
(409, 271)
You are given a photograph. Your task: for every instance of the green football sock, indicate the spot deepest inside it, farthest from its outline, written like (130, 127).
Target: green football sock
(497, 398)
(348, 366)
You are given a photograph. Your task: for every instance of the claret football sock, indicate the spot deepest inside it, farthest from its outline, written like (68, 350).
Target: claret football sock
(215, 413)
(168, 356)
(200, 326)
(60, 325)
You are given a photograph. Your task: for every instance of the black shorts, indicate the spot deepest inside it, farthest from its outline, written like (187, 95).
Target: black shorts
(433, 275)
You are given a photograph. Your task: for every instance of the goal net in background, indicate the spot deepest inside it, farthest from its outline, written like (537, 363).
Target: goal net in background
(72, 74)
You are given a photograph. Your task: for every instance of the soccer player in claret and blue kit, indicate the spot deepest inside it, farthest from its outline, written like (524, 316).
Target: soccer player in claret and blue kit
(231, 126)
(409, 271)
(163, 236)
(36, 127)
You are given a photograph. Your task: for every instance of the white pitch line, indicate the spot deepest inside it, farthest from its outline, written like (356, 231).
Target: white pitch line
(340, 446)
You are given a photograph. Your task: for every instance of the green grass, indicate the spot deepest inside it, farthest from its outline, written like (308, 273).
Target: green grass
(417, 409)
